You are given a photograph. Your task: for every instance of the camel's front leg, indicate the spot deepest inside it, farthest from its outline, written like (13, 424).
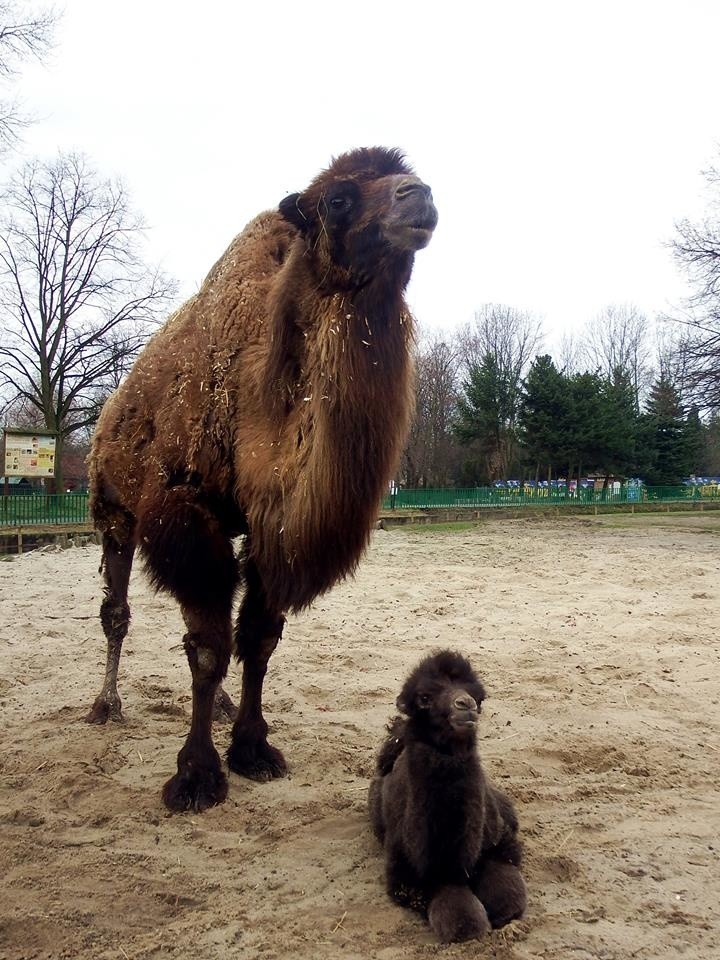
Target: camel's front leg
(257, 634)
(200, 781)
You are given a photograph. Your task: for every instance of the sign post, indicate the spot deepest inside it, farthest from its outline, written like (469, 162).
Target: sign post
(28, 453)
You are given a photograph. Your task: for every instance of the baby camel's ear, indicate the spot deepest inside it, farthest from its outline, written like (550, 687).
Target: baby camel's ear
(401, 704)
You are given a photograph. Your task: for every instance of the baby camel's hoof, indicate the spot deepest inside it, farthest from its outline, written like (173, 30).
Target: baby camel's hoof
(256, 760)
(103, 710)
(195, 789)
(456, 914)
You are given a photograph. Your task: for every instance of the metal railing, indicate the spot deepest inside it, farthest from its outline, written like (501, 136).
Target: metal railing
(429, 498)
(33, 509)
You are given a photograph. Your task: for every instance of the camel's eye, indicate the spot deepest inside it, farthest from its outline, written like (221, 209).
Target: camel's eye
(424, 699)
(339, 204)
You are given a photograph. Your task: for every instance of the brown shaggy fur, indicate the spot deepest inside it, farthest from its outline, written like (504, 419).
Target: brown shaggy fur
(273, 404)
(451, 846)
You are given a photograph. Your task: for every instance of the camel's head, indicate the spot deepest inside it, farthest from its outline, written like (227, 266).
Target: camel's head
(366, 212)
(443, 697)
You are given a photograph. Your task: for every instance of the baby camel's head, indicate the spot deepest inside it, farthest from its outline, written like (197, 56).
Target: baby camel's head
(442, 698)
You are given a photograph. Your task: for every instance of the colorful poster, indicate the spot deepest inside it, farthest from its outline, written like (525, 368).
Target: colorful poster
(29, 455)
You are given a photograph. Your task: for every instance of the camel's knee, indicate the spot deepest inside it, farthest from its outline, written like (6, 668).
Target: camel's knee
(208, 665)
(115, 619)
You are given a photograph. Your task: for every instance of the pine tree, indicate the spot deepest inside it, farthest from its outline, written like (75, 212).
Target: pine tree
(543, 409)
(620, 424)
(486, 415)
(671, 454)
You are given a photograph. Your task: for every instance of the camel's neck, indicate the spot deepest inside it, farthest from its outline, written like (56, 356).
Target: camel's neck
(342, 390)
(447, 793)
(432, 764)
(357, 387)
(341, 375)
(344, 352)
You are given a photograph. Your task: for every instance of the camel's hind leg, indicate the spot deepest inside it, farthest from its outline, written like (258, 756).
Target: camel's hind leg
(115, 617)
(257, 633)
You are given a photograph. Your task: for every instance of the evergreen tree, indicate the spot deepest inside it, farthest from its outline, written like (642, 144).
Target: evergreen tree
(486, 416)
(586, 425)
(620, 424)
(541, 417)
(671, 453)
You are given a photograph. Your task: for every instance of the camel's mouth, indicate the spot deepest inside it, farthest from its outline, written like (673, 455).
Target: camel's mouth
(412, 236)
(411, 225)
(423, 228)
(464, 722)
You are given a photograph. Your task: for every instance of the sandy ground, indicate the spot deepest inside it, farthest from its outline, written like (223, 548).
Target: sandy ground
(598, 642)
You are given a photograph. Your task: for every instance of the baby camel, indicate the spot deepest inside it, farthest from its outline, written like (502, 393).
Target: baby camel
(451, 838)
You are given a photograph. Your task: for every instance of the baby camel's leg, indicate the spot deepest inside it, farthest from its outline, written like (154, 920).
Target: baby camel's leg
(501, 889)
(455, 914)
(115, 617)
(402, 881)
(257, 633)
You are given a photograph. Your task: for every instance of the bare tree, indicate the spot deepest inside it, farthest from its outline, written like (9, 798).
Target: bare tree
(619, 339)
(76, 299)
(569, 355)
(697, 250)
(431, 454)
(511, 336)
(25, 34)
(496, 350)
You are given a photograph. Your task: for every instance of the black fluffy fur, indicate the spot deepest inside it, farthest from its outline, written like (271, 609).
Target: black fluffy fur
(450, 837)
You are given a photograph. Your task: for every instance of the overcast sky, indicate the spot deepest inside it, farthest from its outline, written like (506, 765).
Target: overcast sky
(562, 139)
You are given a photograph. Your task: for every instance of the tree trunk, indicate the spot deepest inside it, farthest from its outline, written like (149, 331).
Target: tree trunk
(58, 478)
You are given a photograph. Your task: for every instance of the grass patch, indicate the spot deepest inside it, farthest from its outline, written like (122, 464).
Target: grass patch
(692, 521)
(459, 526)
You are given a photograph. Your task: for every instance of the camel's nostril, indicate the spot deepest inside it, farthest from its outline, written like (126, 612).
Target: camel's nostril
(410, 186)
(464, 702)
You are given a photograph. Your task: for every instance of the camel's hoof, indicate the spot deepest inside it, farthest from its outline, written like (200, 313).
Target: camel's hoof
(224, 710)
(104, 710)
(256, 760)
(194, 788)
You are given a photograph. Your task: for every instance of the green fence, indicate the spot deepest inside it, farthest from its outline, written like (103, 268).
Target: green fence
(28, 509)
(51, 508)
(429, 498)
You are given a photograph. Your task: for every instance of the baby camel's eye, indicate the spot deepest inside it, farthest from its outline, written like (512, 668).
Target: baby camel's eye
(340, 203)
(424, 699)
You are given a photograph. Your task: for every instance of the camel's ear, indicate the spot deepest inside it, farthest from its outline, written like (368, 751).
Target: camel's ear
(291, 210)
(402, 706)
